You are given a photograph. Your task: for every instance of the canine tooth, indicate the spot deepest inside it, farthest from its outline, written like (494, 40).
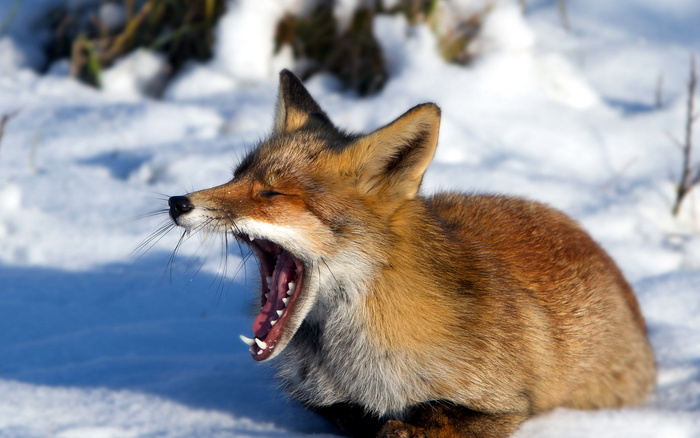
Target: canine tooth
(279, 313)
(259, 352)
(260, 343)
(249, 342)
(285, 301)
(269, 281)
(267, 296)
(251, 238)
(273, 322)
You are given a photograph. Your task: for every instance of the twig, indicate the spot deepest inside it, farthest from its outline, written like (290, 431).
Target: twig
(659, 94)
(523, 6)
(33, 150)
(690, 176)
(564, 14)
(3, 121)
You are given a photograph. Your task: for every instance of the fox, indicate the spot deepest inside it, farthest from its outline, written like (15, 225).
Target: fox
(395, 314)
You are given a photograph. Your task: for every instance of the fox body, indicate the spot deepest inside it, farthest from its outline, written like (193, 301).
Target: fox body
(399, 315)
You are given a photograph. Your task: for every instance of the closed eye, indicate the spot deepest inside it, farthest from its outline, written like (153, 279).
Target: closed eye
(269, 193)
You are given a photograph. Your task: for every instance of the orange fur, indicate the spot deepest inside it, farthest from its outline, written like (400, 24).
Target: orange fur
(460, 315)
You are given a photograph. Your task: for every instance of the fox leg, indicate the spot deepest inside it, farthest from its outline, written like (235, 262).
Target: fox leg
(451, 421)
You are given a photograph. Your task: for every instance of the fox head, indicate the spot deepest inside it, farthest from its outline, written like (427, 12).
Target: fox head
(315, 204)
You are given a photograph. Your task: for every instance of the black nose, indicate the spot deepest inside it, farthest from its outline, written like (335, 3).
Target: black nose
(179, 205)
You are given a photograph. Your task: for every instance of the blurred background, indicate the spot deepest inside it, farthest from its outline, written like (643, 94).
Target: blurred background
(110, 326)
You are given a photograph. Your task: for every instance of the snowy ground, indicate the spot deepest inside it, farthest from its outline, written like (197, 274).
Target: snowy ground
(98, 342)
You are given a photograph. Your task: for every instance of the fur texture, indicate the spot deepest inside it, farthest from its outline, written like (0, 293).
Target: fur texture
(451, 315)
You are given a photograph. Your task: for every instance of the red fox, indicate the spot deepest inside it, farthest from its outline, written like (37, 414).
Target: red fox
(399, 315)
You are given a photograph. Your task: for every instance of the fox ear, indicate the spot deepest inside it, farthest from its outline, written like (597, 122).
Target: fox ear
(394, 158)
(295, 106)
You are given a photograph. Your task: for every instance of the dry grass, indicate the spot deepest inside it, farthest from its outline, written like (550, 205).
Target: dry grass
(184, 30)
(690, 173)
(181, 29)
(353, 53)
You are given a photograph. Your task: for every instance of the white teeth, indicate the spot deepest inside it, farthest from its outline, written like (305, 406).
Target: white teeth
(267, 296)
(279, 313)
(269, 281)
(249, 342)
(285, 301)
(273, 322)
(251, 238)
(291, 286)
(259, 352)
(260, 343)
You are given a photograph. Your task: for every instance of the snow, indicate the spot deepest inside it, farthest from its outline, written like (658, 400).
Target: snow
(136, 75)
(246, 38)
(99, 341)
(112, 16)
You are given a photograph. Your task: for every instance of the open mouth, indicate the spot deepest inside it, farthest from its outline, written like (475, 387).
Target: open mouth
(282, 276)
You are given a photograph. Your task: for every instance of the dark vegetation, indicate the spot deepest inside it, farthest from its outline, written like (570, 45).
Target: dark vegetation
(690, 171)
(184, 30)
(353, 53)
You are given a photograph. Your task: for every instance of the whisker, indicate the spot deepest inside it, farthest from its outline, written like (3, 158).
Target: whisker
(196, 261)
(165, 227)
(150, 214)
(171, 259)
(199, 269)
(244, 257)
(196, 257)
(155, 237)
(220, 276)
(225, 275)
(193, 259)
(241, 266)
(161, 196)
(331, 272)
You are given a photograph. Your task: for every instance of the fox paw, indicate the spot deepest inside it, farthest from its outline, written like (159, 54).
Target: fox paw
(398, 429)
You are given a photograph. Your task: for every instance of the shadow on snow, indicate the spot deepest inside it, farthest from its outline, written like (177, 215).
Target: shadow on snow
(127, 326)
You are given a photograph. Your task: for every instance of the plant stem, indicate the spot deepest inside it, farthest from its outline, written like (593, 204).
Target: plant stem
(688, 180)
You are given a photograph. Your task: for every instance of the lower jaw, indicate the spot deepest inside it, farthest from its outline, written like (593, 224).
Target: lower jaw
(282, 283)
(273, 340)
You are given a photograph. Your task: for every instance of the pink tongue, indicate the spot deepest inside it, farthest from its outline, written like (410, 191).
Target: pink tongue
(283, 274)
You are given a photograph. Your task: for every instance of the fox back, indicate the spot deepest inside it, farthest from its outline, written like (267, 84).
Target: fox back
(396, 314)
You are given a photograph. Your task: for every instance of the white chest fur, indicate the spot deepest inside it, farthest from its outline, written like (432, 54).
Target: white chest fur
(332, 358)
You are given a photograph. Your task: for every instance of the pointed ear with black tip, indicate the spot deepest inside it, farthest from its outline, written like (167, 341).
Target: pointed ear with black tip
(394, 158)
(295, 106)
